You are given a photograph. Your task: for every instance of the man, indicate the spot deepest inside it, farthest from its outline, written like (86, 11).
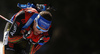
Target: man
(28, 32)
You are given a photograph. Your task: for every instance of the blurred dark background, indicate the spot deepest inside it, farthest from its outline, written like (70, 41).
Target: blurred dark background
(75, 22)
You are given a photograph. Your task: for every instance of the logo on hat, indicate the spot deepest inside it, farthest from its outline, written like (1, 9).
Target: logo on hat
(44, 22)
(42, 25)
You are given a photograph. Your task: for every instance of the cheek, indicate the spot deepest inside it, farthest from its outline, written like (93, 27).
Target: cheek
(35, 29)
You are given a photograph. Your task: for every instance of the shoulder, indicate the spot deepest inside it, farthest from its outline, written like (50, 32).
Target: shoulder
(24, 12)
(20, 13)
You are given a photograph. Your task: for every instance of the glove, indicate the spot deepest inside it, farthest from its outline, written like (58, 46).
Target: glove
(27, 34)
(43, 40)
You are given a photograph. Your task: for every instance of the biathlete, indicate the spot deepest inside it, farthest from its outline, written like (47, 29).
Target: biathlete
(30, 30)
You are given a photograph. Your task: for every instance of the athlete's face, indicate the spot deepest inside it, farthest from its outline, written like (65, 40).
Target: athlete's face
(37, 31)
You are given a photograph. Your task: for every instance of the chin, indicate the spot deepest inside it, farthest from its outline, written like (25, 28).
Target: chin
(35, 34)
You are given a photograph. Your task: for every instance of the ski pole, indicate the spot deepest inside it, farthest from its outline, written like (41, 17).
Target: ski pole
(6, 19)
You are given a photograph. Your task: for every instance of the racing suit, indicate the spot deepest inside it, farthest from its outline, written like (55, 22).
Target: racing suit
(23, 41)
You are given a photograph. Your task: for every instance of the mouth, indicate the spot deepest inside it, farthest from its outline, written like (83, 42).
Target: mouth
(36, 33)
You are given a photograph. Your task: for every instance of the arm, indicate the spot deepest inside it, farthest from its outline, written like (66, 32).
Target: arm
(15, 31)
(17, 24)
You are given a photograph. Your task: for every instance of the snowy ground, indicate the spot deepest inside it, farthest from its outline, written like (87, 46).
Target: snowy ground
(1, 45)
